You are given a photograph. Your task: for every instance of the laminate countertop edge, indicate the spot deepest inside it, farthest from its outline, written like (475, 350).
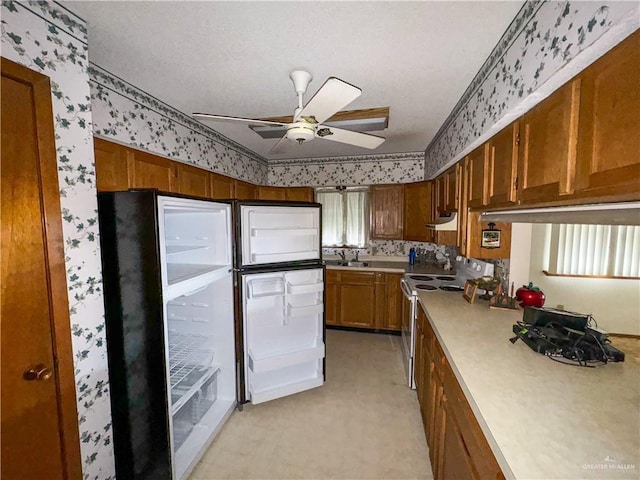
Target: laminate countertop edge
(542, 419)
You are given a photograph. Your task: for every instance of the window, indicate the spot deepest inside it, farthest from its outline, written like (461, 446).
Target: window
(345, 216)
(594, 250)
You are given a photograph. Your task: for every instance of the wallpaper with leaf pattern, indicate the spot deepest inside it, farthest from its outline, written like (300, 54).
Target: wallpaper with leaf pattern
(49, 39)
(542, 39)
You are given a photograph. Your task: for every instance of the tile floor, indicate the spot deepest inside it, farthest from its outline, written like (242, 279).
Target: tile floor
(364, 423)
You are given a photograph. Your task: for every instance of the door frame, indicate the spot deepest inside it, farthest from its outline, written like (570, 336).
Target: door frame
(56, 269)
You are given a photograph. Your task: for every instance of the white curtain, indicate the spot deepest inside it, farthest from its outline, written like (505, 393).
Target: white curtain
(345, 217)
(595, 250)
(357, 215)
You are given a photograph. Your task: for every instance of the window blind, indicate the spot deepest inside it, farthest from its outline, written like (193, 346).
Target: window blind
(595, 250)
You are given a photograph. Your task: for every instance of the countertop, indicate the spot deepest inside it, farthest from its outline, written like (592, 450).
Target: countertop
(542, 419)
(394, 266)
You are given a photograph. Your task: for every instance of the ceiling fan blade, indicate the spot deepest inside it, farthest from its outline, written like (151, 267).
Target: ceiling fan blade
(208, 116)
(281, 146)
(333, 95)
(341, 135)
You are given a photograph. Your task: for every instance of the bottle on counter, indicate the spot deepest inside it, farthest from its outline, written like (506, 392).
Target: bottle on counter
(412, 256)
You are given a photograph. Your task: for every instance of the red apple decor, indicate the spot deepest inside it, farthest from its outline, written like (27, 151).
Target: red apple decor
(530, 296)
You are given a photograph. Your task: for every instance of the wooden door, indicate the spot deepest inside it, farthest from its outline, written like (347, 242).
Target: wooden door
(220, 186)
(609, 143)
(300, 194)
(271, 193)
(478, 176)
(112, 174)
(456, 462)
(151, 171)
(332, 300)
(192, 181)
(548, 143)
(39, 430)
(503, 166)
(385, 205)
(417, 211)
(245, 190)
(357, 299)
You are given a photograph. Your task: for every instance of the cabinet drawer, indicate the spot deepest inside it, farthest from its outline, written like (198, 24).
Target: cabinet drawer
(358, 278)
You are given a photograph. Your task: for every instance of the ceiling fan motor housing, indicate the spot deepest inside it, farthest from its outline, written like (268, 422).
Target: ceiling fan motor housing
(300, 133)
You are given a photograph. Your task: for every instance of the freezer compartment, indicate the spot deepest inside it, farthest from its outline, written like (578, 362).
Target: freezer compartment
(277, 234)
(195, 238)
(273, 384)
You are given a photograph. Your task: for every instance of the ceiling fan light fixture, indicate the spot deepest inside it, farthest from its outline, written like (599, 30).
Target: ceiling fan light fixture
(300, 133)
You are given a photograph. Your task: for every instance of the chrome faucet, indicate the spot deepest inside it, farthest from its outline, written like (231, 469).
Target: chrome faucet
(342, 255)
(355, 259)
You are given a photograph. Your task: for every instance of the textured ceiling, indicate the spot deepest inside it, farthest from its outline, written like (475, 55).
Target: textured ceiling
(234, 58)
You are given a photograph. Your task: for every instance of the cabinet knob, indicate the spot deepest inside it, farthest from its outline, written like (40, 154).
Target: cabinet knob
(37, 373)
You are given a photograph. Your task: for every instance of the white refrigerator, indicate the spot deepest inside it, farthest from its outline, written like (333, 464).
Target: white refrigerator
(181, 357)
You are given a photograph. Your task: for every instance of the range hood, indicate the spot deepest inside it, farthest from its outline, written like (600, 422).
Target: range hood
(625, 213)
(444, 222)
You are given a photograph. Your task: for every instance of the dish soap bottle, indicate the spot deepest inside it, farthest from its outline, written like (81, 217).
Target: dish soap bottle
(412, 256)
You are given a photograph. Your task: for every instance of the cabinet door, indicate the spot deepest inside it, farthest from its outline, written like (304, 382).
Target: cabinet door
(332, 299)
(477, 171)
(503, 166)
(386, 205)
(440, 194)
(150, 171)
(271, 193)
(300, 194)
(608, 141)
(548, 142)
(245, 190)
(393, 297)
(193, 181)
(220, 186)
(474, 238)
(417, 210)
(357, 299)
(452, 177)
(112, 174)
(456, 461)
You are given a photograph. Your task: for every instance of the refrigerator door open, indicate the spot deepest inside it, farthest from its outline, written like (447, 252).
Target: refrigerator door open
(283, 320)
(271, 234)
(197, 283)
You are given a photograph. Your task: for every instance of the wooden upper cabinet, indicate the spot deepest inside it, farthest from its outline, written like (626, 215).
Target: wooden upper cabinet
(386, 205)
(193, 181)
(417, 210)
(245, 190)
(453, 177)
(503, 166)
(220, 186)
(478, 176)
(111, 166)
(548, 142)
(300, 194)
(271, 193)
(609, 131)
(439, 195)
(150, 171)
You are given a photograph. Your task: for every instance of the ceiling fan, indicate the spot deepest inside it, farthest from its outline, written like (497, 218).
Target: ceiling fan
(308, 121)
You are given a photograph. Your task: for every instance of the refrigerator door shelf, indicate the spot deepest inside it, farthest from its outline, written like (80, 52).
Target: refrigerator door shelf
(264, 390)
(304, 288)
(299, 311)
(279, 232)
(285, 359)
(265, 287)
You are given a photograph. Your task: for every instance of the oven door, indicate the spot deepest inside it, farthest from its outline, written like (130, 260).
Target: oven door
(408, 329)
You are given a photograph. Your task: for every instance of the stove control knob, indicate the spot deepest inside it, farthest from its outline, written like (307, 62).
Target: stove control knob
(478, 268)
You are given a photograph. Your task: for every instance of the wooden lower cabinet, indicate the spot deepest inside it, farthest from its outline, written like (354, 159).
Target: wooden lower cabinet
(458, 449)
(363, 299)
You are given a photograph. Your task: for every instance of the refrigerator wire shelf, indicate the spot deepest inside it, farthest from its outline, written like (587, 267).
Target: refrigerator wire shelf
(186, 354)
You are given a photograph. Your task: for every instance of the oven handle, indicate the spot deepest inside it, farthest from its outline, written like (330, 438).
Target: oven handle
(405, 289)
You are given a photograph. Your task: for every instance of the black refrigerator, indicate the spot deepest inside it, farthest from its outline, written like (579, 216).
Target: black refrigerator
(185, 347)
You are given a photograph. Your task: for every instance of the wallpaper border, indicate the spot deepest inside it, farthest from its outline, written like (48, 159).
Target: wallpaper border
(118, 85)
(380, 157)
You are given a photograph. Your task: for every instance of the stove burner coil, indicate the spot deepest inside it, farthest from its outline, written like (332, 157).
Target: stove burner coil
(452, 288)
(424, 286)
(422, 278)
(446, 278)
